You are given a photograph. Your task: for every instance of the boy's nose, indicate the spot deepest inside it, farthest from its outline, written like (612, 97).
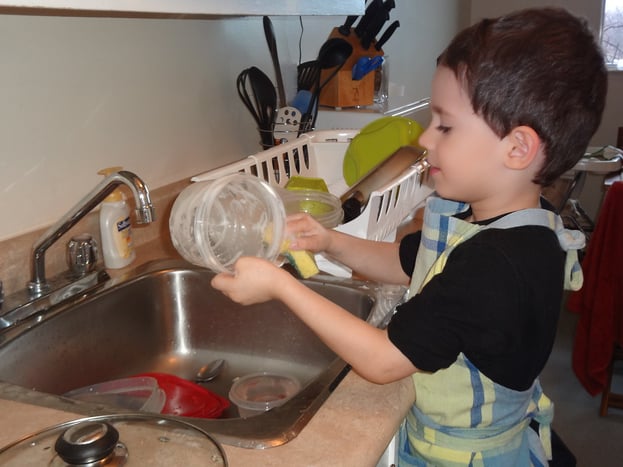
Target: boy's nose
(425, 140)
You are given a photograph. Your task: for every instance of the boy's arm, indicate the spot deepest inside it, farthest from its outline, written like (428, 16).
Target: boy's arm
(367, 349)
(379, 261)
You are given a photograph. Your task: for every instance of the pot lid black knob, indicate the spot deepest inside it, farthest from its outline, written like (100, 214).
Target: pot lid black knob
(87, 442)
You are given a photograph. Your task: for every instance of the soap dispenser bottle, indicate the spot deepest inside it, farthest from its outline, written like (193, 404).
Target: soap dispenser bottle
(115, 228)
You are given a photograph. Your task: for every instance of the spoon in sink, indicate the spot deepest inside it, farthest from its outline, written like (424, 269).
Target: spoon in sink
(210, 371)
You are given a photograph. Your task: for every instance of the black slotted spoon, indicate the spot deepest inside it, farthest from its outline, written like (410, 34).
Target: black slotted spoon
(308, 76)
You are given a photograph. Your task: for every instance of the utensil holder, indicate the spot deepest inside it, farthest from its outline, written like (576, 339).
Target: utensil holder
(277, 136)
(342, 90)
(266, 138)
(280, 134)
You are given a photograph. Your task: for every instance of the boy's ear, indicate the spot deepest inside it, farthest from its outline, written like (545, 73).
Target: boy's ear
(524, 147)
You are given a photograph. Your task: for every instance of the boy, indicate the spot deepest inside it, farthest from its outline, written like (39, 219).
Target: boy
(514, 103)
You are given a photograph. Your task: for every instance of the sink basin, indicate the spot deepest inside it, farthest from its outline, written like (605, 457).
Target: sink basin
(166, 318)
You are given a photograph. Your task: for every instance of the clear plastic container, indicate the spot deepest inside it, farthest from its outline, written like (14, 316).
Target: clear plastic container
(257, 393)
(137, 393)
(213, 223)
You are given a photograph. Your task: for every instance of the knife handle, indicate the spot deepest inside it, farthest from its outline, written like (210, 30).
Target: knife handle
(373, 29)
(371, 11)
(387, 34)
(344, 29)
(389, 4)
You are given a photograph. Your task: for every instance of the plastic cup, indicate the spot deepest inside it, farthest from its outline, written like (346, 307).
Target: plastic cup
(213, 223)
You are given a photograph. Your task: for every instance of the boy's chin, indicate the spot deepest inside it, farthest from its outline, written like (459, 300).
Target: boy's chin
(451, 195)
(444, 191)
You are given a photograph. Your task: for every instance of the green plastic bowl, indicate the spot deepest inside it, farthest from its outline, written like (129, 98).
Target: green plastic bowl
(376, 142)
(324, 207)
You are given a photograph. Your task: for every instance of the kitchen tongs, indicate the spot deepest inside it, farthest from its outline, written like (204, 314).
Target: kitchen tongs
(258, 94)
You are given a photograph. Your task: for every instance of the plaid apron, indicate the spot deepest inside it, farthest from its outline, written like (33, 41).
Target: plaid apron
(461, 417)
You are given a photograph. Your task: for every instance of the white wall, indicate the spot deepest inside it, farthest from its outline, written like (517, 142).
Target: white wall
(156, 96)
(412, 53)
(78, 94)
(426, 28)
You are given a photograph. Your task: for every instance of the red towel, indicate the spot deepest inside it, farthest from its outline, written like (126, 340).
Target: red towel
(600, 301)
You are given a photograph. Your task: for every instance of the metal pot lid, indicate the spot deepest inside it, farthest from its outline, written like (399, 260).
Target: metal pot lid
(116, 440)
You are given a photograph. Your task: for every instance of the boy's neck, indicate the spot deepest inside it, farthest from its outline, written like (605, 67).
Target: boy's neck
(489, 209)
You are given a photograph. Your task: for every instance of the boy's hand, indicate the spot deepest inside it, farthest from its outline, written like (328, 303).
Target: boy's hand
(254, 280)
(306, 233)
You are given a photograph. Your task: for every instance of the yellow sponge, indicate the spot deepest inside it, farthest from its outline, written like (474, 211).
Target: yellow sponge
(303, 261)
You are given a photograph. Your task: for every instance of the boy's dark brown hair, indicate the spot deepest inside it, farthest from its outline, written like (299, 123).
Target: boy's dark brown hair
(536, 67)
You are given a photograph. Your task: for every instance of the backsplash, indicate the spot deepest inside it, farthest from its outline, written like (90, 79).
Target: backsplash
(15, 260)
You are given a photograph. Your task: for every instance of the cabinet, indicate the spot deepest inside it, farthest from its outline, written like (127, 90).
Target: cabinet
(186, 7)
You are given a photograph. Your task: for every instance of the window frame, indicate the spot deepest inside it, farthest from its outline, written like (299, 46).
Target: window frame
(612, 66)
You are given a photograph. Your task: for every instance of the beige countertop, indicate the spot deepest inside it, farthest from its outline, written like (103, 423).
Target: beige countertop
(352, 428)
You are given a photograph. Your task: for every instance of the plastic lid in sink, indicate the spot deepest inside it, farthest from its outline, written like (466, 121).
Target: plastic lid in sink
(135, 394)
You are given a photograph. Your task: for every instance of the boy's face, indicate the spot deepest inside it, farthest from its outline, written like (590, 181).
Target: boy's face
(463, 150)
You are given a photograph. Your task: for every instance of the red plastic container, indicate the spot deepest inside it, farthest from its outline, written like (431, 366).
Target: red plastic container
(187, 399)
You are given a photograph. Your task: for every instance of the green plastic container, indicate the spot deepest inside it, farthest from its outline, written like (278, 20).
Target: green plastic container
(306, 183)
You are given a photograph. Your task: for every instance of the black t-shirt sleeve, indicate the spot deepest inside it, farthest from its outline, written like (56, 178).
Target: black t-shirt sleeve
(408, 251)
(497, 301)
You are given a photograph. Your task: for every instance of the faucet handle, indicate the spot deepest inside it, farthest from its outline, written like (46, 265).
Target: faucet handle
(81, 254)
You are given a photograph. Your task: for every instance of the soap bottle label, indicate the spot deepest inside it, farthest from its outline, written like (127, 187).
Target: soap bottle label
(123, 238)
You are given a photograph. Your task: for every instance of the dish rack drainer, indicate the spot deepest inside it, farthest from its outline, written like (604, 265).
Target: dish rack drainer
(320, 154)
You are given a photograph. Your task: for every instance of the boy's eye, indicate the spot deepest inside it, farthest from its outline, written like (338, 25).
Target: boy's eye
(443, 129)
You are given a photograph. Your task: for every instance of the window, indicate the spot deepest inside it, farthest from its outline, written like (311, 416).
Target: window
(612, 33)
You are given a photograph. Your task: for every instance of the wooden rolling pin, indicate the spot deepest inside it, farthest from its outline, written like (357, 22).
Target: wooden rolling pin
(355, 199)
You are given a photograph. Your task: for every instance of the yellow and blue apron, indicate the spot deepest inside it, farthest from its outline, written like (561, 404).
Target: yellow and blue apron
(461, 417)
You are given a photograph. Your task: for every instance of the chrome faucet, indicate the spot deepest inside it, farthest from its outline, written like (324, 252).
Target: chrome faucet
(144, 214)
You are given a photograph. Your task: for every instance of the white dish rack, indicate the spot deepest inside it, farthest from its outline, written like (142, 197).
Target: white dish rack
(320, 154)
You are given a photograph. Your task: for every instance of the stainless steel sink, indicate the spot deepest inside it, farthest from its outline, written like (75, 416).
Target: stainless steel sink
(167, 318)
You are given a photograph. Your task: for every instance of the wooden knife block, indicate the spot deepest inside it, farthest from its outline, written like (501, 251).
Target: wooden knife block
(342, 90)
